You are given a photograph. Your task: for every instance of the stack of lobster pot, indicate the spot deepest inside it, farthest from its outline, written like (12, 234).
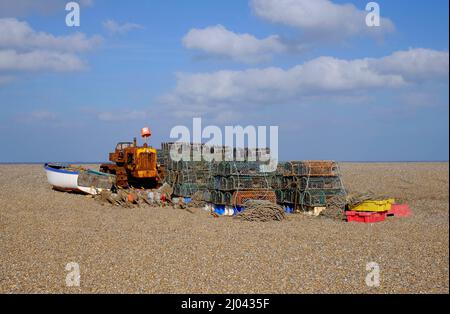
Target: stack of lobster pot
(233, 182)
(163, 154)
(188, 173)
(221, 182)
(303, 185)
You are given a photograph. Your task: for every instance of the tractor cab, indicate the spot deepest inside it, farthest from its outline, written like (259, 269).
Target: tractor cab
(123, 145)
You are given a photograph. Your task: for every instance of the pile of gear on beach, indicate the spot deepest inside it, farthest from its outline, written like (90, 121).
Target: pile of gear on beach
(230, 188)
(248, 188)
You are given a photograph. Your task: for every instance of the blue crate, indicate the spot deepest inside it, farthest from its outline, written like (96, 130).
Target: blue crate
(288, 209)
(220, 209)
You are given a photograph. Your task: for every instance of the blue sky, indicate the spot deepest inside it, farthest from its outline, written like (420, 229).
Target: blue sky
(336, 89)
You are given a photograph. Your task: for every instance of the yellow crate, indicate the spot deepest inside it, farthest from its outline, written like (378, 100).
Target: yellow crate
(374, 206)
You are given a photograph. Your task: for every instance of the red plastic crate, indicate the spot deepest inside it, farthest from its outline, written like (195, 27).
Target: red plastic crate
(399, 210)
(366, 217)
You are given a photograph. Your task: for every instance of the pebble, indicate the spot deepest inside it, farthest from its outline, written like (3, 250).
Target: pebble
(157, 250)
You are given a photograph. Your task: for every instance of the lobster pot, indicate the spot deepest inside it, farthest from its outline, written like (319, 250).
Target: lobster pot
(190, 150)
(291, 196)
(183, 150)
(318, 168)
(187, 177)
(223, 184)
(166, 146)
(309, 183)
(215, 182)
(202, 174)
(320, 197)
(280, 195)
(201, 179)
(313, 198)
(227, 198)
(176, 165)
(290, 168)
(207, 196)
(276, 181)
(320, 183)
(214, 168)
(247, 182)
(215, 152)
(216, 197)
(282, 169)
(227, 168)
(210, 183)
(263, 154)
(169, 177)
(311, 168)
(239, 154)
(185, 189)
(290, 182)
(251, 154)
(221, 197)
(162, 157)
(239, 197)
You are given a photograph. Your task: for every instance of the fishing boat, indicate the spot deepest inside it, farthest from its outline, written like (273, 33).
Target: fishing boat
(62, 176)
(94, 182)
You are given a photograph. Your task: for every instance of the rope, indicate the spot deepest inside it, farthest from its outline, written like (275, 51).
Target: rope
(261, 210)
(355, 199)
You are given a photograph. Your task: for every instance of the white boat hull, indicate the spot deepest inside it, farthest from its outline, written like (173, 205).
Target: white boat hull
(91, 190)
(62, 179)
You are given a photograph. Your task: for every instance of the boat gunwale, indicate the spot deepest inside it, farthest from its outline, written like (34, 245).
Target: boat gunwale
(49, 168)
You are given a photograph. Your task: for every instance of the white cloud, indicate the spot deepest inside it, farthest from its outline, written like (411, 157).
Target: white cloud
(24, 49)
(17, 34)
(115, 28)
(220, 42)
(39, 60)
(203, 93)
(319, 19)
(415, 64)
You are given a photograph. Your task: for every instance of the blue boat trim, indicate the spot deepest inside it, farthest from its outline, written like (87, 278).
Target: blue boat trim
(47, 167)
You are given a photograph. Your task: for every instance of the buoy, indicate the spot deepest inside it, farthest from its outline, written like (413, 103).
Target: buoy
(145, 132)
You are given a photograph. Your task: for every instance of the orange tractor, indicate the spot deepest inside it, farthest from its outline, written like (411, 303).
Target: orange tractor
(134, 165)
